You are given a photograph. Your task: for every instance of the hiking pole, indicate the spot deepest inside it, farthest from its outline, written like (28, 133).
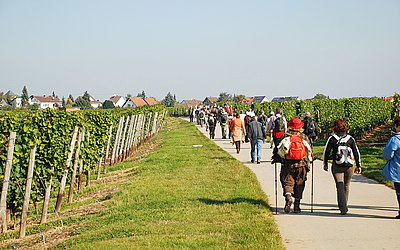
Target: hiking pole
(276, 190)
(312, 186)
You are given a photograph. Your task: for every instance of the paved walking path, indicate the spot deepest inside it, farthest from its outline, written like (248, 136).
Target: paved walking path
(369, 223)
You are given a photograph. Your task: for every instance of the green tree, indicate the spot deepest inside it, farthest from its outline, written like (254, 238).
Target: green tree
(237, 98)
(84, 101)
(63, 102)
(225, 97)
(141, 94)
(169, 100)
(25, 97)
(128, 95)
(321, 96)
(107, 104)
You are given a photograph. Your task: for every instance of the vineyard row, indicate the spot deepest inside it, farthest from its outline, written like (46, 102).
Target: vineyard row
(41, 151)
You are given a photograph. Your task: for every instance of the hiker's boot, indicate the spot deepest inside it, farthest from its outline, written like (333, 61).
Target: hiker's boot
(258, 162)
(288, 203)
(297, 206)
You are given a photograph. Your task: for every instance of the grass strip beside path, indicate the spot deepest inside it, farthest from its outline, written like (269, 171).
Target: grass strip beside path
(184, 197)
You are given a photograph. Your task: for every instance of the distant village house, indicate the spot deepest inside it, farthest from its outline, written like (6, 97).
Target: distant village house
(118, 100)
(133, 102)
(191, 103)
(45, 101)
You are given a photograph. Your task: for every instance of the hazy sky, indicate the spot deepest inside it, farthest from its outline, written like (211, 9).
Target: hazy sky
(200, 48)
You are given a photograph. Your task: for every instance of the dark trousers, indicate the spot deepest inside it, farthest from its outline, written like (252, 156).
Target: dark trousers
(293, 180)
(342, 176)
(397, 187)
(212, 132)
(237, 144)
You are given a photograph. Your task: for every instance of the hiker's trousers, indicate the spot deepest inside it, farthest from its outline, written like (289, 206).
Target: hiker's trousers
(293, 180)
(342, 176)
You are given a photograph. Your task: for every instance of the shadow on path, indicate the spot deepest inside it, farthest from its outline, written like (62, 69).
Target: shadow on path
(234, 201)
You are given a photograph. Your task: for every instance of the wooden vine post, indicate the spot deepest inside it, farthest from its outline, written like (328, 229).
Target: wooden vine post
(46, 200)
(100, 162)
(121, 121)
(6, 182)
(65, 172)
(71, 187)
(29, 179)
(108, 149)
(121, 149)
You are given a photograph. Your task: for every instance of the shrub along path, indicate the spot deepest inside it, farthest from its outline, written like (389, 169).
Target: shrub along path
(369, 223)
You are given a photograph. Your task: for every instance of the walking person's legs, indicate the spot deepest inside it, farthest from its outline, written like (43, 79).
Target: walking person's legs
(397, 188)
(348, 174)
(338, 175)
(237, 144)
(259, 146)
(253, 150)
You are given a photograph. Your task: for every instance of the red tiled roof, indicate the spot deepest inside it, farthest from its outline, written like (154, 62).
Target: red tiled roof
(138, 101)
(247, 99)
(192, 103)
(150, 101)
(47, 99)
(212, 99)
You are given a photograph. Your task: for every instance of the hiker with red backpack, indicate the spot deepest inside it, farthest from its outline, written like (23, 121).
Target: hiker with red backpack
(296, 155)
(342, 149)
(278, 125)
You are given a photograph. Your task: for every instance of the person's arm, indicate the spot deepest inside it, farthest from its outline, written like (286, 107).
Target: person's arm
(270, 123)
(242, 126)
(356, 152)
(327, 152)
(391, 147)
(285, 123)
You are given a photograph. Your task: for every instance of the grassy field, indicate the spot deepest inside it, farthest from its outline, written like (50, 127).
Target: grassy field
(183, 197)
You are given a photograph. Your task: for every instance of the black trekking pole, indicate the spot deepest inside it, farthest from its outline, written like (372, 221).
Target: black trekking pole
(276, 190)
(312, 186)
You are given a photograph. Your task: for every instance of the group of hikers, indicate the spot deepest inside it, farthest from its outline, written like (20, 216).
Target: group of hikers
(292, 145)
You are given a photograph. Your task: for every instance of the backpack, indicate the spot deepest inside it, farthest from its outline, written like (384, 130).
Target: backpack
(279, 125)
(246, 120)
(211, 121)
(263, 120)
(223, 119)
(344, 154)
(293, 147)
(201, 115)
(309, 126)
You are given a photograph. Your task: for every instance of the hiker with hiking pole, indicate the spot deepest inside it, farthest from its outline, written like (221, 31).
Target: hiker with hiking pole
(296, 155)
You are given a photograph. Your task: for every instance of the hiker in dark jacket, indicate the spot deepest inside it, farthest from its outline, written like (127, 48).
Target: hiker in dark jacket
(342, 173)
(294, 172)
(212, 122)
(310, 127)
(256, 134)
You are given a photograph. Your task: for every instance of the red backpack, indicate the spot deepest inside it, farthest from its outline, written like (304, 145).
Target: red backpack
(297, 150)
